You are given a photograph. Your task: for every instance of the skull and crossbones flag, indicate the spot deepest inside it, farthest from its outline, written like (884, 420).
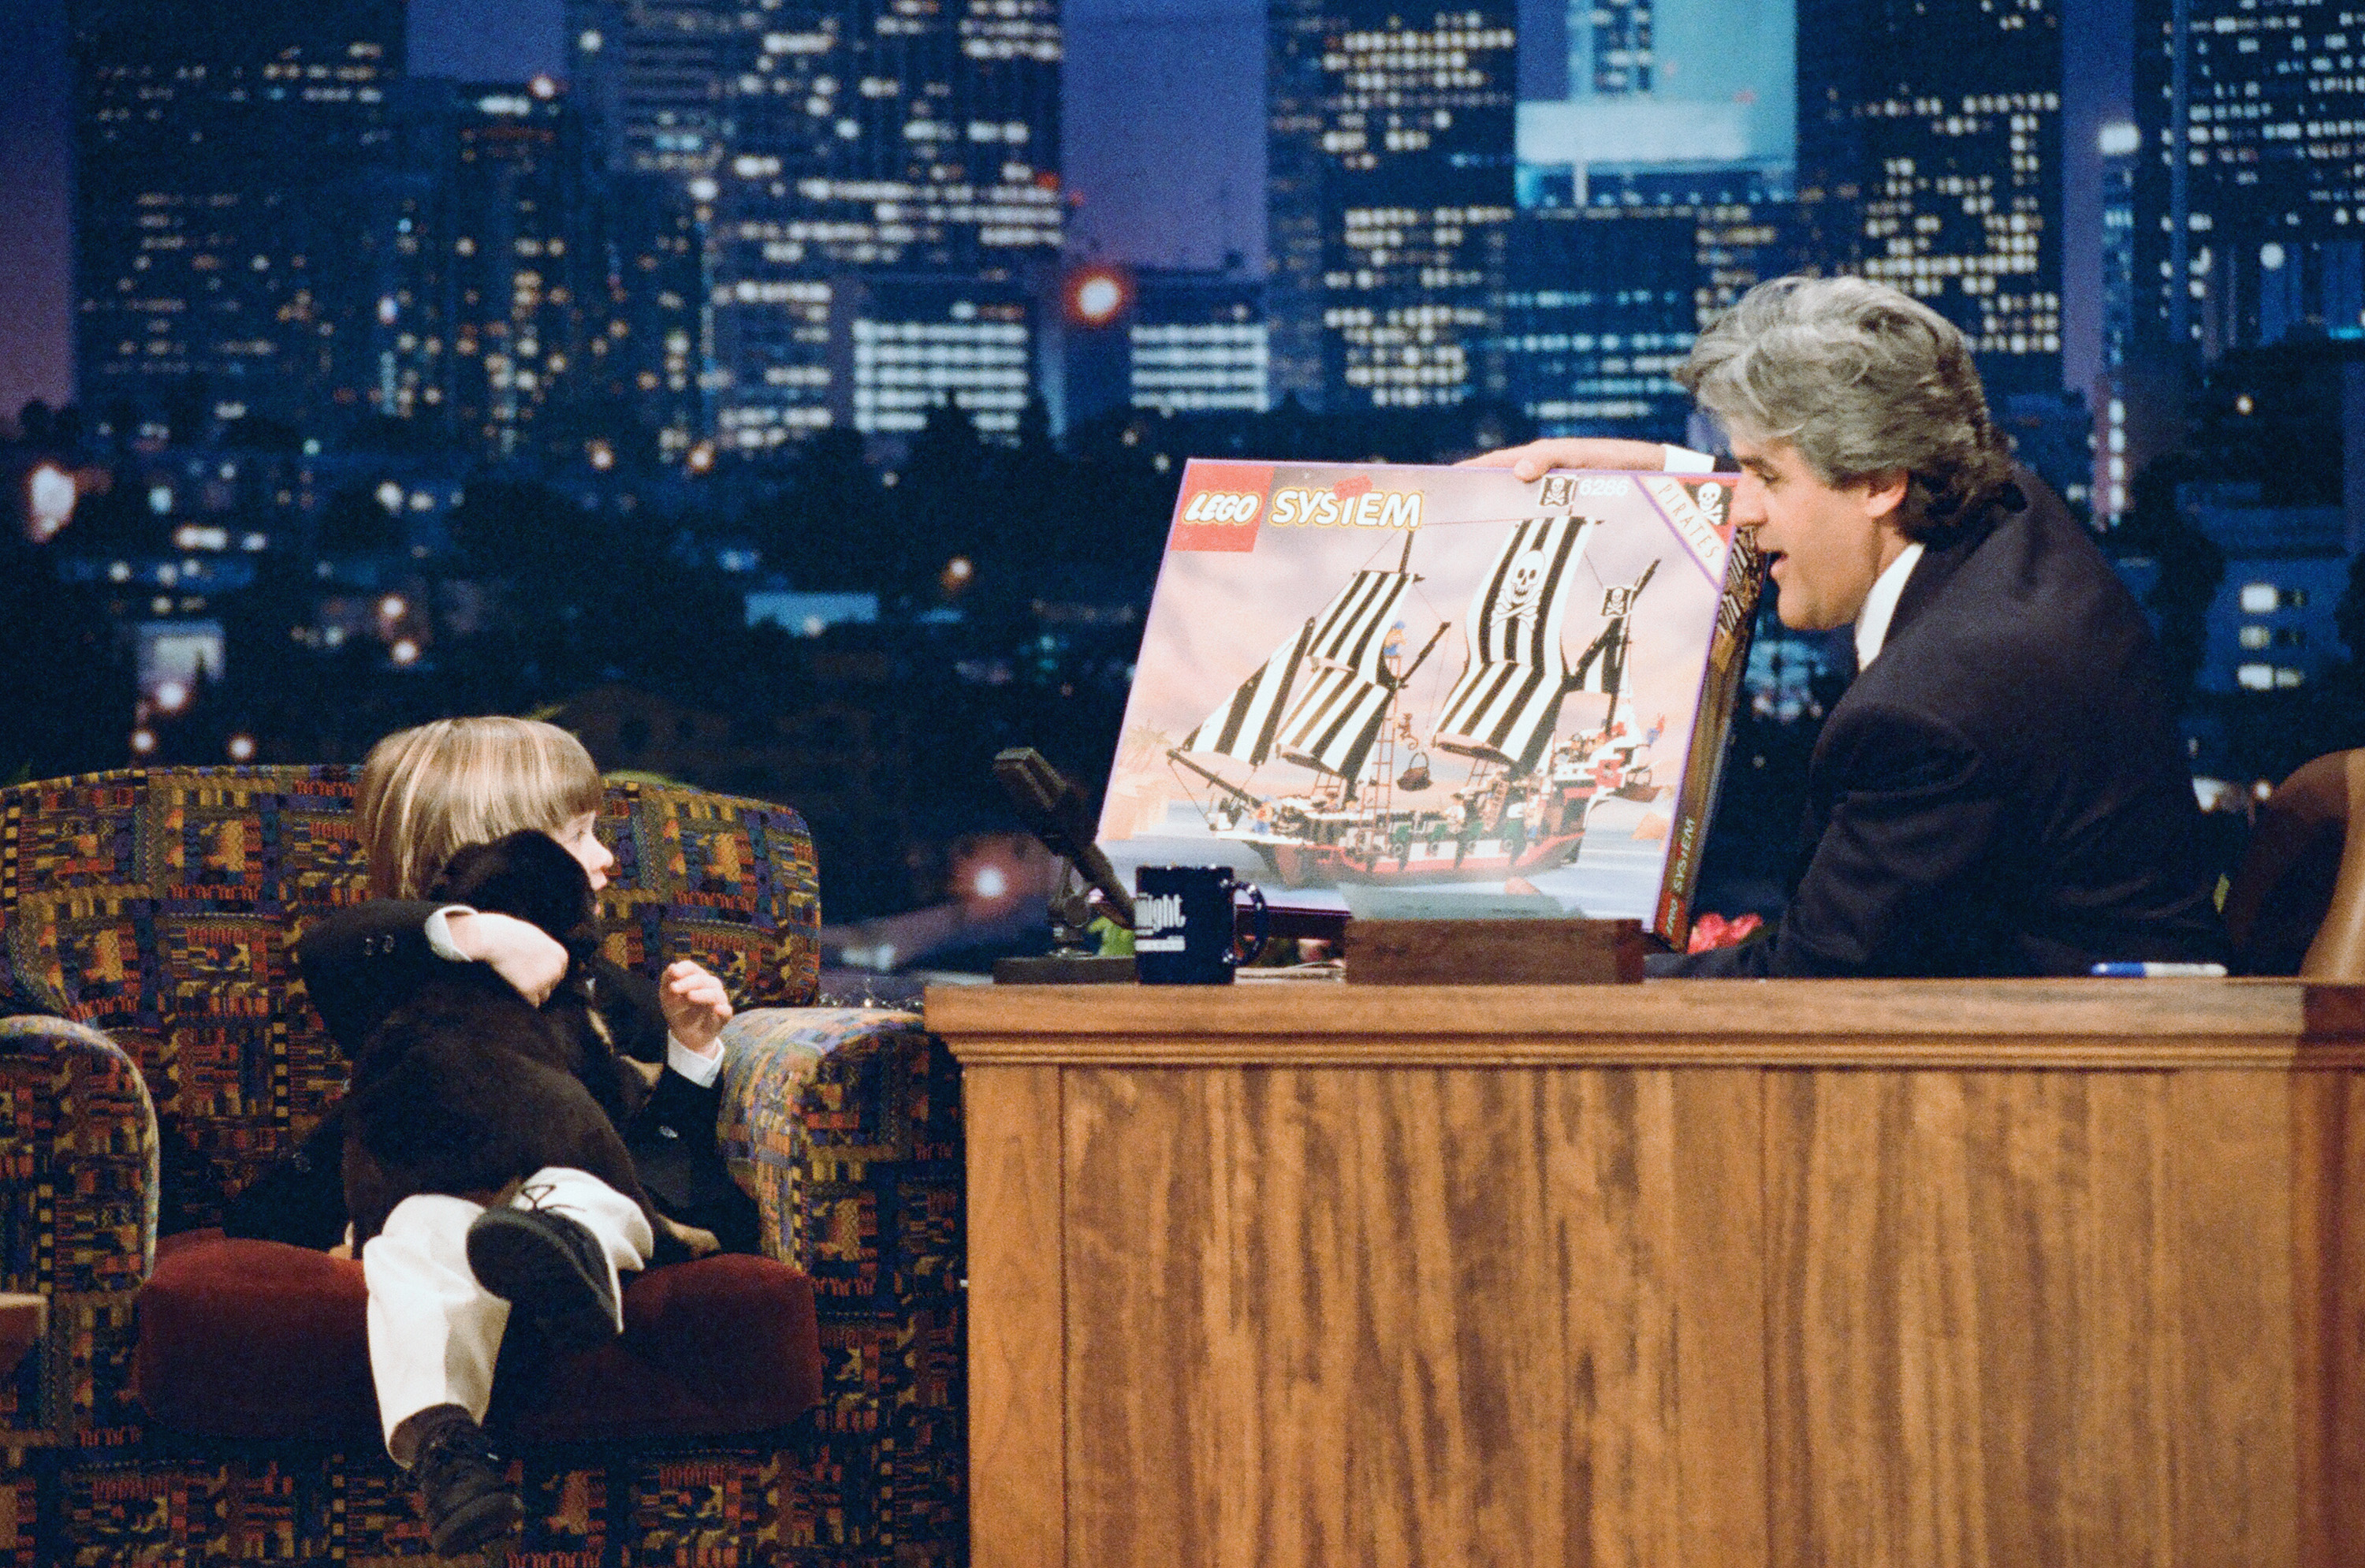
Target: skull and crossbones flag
(1503, 708)
(1602, 667)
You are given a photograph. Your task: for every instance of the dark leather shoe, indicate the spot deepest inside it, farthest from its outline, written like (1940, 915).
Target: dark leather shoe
(551, 1269)
(464, 1484)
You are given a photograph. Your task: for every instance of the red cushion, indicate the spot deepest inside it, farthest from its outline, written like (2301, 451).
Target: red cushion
(258, 1340)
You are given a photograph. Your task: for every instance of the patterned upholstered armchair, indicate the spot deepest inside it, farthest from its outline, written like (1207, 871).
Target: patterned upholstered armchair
(162, 1053)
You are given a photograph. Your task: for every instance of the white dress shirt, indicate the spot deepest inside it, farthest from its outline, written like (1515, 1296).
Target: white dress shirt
(1872, 622)
(1880, 604)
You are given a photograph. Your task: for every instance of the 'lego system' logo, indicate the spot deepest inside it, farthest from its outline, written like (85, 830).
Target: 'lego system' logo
(1220, 506)
(1214, 505)
(1339, 508)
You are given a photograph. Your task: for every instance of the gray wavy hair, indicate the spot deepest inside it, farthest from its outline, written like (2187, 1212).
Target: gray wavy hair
(1861, 379)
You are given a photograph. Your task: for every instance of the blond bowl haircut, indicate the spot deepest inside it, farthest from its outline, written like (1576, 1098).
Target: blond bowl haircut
(428, 793)
(1862, 380)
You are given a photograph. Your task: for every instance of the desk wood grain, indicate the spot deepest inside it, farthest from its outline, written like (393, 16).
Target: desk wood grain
(1873, 1024)
(1999, 1274)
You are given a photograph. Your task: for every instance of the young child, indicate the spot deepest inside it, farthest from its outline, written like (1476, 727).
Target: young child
(447, 1271)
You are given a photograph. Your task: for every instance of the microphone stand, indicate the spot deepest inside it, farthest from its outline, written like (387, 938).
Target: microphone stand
(1055, 812)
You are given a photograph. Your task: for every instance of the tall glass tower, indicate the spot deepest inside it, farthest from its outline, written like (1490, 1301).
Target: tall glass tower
(835, 157)
(1930, 157)
(219, 161)
(1390, 195)
(1655, 142)
(2250, 177)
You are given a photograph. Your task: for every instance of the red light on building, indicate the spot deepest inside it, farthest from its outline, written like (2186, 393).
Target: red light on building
(1097, 296)
(50, 495)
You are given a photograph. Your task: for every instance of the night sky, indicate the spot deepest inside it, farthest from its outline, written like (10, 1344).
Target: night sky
(1164, 116)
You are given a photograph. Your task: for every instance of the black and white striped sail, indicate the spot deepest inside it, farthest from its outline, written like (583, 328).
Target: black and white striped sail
(1352, 632)
(1337, 717)
(1333, 728)
(1503, 708)
(1602, 667)
(1247, 726)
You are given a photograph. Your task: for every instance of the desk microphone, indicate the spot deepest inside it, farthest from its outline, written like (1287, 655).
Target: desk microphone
(1055, 812)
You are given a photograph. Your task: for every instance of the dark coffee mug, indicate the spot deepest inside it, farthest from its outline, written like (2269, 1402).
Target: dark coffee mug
(1182, 924)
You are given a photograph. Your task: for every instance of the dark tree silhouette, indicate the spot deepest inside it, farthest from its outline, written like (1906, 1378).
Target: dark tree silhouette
(2191, 568)
(66, 685)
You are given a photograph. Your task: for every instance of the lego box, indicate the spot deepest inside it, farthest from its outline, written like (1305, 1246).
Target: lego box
(1438, 691)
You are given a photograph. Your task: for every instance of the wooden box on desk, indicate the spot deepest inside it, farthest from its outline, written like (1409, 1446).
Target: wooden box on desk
(1494, 952)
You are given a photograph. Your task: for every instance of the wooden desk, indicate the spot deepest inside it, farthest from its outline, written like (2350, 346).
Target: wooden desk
(1704, 1273)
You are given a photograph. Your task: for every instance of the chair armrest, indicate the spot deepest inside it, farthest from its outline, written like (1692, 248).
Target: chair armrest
(846, 1123)
(885, 1228)
(79, 1148)
(82, 1135)
(770, 1056)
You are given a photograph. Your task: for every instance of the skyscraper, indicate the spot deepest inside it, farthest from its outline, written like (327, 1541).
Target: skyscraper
(1930, 158)
(1655, 141)
(1178, 340)
(500, 323)
(519, 270)
(657, 334)
(851, 144)
(1605, 299)
(1390, 196)
(2114, 393)
(912, 342)
(1196, 342)
(653, 79)
(2251, 185)
(219, 156)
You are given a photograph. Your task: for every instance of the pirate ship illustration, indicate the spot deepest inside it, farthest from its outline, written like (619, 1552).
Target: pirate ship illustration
(1335, 699)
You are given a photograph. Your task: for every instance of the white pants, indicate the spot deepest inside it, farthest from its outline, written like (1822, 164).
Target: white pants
(435, 1332)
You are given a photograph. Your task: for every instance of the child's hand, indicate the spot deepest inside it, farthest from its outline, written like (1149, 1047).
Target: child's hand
(695, 1005)
(520, 952)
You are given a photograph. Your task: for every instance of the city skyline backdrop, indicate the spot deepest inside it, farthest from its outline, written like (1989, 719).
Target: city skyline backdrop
(415, 383)
(1163, 149)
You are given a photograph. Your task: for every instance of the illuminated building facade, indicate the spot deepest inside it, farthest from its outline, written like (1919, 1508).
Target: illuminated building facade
(492, 321)
(656, 337)
(2251, 178)
(399, 256)
(1653, 88)
(523, 271)
(219, 157)
(654, 83)
(900, 140)
(654, 78)
(2114, 392)
(1196, 342)
(1176, 340)
(1389, 198)
(903, 345)
(1605, 299)
(1655, 147)
(1930, 158)
(821, 147)
(1598, 316)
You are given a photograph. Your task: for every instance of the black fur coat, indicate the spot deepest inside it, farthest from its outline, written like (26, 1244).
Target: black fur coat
(448, 1117)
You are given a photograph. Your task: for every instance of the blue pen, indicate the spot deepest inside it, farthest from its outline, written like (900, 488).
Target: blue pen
(2160, 972)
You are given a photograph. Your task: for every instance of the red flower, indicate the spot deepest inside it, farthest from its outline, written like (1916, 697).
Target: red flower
(1712, 930)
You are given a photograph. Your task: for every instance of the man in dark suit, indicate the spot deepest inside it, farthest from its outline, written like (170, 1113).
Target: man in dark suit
(2000, 791)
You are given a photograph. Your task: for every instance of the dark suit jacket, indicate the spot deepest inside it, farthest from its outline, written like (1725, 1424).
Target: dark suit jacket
(359, 964)
(2001, 792)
